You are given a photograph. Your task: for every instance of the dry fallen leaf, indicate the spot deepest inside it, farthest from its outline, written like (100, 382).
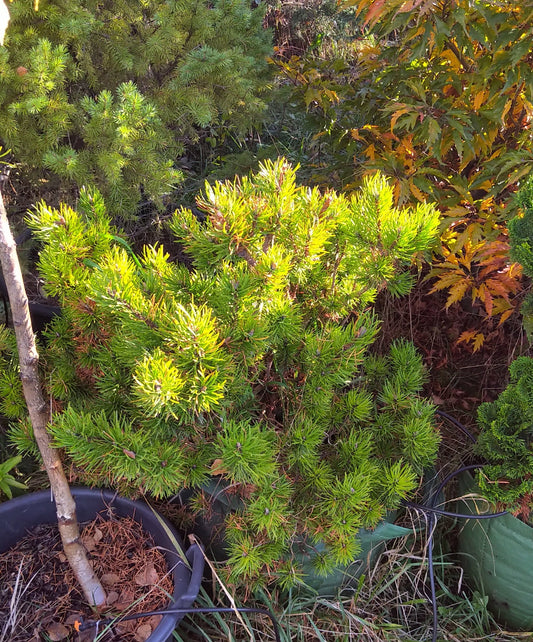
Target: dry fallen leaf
(123, 628)
(73, 618)
(57, 631)
(112, 597)
(125, 600)
(148, 576)
(88, 542)
(143, 632)
(110, 579)
(218, 468)
(154, 621)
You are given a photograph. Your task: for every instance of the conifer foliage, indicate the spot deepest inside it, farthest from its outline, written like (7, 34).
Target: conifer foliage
(251, 367)
(506, 424)
(505, 442)
(109, 93)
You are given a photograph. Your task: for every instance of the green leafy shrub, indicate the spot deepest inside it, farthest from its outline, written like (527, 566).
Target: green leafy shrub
(410, 97)
(109, 94)
(252, 366)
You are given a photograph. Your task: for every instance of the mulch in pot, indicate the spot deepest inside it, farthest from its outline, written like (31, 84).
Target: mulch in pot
(40, 599)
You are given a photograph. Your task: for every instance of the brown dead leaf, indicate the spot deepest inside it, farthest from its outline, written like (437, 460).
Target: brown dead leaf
(57, 631)
(97, 535)
(218, 468)
(125, 599)
(143, 632)
(125, 627)
(88, 542)
(112, 597)
(73, 618)
(110, 579)
(154, 621)
(148, 576)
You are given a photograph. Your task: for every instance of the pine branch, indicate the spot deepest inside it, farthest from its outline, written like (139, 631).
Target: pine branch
(4, 20)
(37, 408)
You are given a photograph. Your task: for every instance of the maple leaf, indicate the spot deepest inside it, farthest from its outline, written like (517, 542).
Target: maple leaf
(457, 292)
(473, 337)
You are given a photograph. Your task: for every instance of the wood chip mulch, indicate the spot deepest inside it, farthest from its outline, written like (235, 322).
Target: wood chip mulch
(39, 597)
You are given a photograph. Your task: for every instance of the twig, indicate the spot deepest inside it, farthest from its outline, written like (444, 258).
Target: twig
(194, 540)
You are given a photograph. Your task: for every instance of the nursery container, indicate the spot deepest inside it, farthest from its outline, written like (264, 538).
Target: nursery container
(497, 556)
(24, 513)
(344, 578)
(210, 529)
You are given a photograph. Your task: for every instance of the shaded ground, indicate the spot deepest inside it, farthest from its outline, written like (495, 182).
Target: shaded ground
(459, 378)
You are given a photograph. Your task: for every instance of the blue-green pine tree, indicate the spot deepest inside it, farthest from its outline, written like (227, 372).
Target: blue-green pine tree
(109, 94)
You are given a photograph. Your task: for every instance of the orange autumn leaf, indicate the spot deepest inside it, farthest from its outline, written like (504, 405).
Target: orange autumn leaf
(457, 292)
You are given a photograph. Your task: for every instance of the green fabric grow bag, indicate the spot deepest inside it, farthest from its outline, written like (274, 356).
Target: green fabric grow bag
(347, 577)
(210, 530)
(497, 556)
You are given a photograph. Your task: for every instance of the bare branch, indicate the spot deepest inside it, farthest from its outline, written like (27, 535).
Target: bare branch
(37, 408)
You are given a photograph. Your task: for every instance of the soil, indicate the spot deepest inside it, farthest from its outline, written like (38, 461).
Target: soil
(459, 378)
(40, 593)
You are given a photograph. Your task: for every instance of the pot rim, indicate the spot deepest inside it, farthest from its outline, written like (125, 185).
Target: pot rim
(20, 514)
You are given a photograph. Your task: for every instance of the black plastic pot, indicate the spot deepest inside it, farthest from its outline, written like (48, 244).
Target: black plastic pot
(24, 513)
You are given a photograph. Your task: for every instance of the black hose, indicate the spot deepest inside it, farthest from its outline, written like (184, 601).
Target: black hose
(433, 513)
(457, 424)
(448, 513)
(430, 510)
(83, 626)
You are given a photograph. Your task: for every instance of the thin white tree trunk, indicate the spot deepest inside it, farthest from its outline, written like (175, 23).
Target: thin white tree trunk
(38, 411)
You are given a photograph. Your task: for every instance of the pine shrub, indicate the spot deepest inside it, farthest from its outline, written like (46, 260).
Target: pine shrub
(506, 425)
(109, 94)
(252, 367)
(521, 238)
(505, 442)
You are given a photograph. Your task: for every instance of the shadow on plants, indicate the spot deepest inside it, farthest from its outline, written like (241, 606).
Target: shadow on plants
(432, 513)
(186, 565)
(41, 313)
(90, 624)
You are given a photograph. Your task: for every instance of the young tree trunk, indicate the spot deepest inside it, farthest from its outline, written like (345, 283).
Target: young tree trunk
(38, 411)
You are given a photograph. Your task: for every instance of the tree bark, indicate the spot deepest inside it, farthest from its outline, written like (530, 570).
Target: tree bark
(38, 411)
